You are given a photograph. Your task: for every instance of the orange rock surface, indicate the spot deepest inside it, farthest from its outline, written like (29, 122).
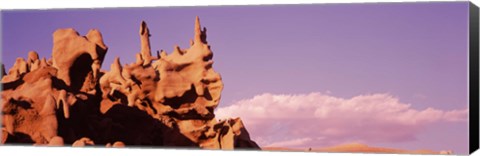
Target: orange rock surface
(164, 100)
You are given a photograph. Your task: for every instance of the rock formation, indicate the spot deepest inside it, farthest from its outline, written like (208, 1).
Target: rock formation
(163, 100)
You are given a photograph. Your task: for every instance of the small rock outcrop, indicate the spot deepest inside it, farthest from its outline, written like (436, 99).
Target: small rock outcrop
(159, 100)
(78, 58)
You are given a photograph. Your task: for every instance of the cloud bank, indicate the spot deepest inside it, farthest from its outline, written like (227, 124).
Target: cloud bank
(316, 119)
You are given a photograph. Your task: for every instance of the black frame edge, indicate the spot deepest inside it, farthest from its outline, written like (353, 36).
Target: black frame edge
(473, 79)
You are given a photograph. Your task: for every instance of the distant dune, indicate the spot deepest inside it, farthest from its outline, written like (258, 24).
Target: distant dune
(358, 148)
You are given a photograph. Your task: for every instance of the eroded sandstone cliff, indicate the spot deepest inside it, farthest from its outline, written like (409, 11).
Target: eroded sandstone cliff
(160, 100)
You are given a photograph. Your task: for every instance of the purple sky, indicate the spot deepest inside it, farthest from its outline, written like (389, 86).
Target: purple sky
(416, 52)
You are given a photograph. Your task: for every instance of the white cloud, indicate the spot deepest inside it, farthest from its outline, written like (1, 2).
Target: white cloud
(293, 120)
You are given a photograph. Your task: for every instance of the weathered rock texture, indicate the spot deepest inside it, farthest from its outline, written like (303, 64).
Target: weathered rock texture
(163, 100)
